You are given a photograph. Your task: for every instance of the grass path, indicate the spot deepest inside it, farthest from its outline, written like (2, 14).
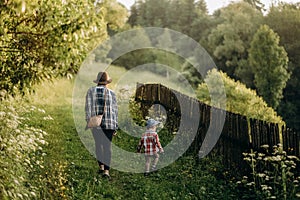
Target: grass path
(70, 171)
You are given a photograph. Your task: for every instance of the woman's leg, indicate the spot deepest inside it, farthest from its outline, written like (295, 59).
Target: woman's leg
(98, 147)
(107, 150)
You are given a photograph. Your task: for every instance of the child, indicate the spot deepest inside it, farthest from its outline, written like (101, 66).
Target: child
(150, 142)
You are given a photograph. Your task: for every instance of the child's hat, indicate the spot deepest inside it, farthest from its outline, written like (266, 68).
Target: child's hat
(152, 122)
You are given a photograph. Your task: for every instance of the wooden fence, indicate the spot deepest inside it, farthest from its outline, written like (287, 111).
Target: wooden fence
(238, 134)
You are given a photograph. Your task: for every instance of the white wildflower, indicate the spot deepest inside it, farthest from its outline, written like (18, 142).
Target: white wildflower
(266, 146)
(41, 110)
(42, 141)
(250, 184)
(48, 118)
(2, 114)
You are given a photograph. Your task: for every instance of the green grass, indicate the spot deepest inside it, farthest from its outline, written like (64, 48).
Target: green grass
(70, 171)
(64, 168)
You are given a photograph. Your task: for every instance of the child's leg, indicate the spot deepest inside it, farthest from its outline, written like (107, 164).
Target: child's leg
(155, 161)
(147, 165)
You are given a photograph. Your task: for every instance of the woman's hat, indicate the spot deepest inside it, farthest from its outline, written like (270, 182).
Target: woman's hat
(151, 123)
(103, 78)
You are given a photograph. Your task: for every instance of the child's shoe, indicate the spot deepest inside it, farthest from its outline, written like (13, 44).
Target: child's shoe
(153, 168)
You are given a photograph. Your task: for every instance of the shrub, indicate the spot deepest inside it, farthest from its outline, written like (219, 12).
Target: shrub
(239, 98)
(18, 142)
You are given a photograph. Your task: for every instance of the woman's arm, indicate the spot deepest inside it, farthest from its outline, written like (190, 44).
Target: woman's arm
(88, 105)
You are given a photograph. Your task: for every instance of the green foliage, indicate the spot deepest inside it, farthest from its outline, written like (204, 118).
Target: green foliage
(239, 99)
(116, 14)
(152, 13)
(136, 112)
(20, 142)
(191, 74)
(140, 56)
(45, 39)
(186, 16)
(269, 63)
(273, 175)
(164, 56)
(256, 4)
(183, 13)
(229, 41)
(201, 27)
(283, 19)
(133, 58)
(132, 19)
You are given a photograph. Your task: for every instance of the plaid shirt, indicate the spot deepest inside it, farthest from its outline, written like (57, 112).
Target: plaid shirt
(95, 103)
(150, 142)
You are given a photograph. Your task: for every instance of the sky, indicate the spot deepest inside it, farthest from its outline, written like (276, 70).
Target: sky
(213, 5)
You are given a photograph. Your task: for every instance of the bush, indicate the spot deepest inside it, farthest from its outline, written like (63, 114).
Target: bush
(18, 143)
(239, 99)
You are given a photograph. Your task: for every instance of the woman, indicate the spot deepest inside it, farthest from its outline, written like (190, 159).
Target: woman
(100, 99)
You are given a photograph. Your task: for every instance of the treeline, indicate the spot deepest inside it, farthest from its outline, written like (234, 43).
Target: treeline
(260, 48)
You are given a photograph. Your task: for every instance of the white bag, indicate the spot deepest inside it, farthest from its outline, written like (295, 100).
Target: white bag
(95, 121)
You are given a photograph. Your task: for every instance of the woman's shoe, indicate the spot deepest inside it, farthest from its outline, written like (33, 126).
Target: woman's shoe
(106, 174)
(101, 169)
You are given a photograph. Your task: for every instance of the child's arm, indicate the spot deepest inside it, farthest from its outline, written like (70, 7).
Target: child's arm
(139, 147)
(161, 150)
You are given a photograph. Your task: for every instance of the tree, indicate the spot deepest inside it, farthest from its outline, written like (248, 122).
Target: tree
(256, 4)
(116, 15)
(284, 19)
(269, 62)
(239, 99)
(201, 6)
(134, 13)
(202, 24)
(229, 41)
(186, 16)
(135, 40)
(191, 73)
(152, 13)
(44, 39)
